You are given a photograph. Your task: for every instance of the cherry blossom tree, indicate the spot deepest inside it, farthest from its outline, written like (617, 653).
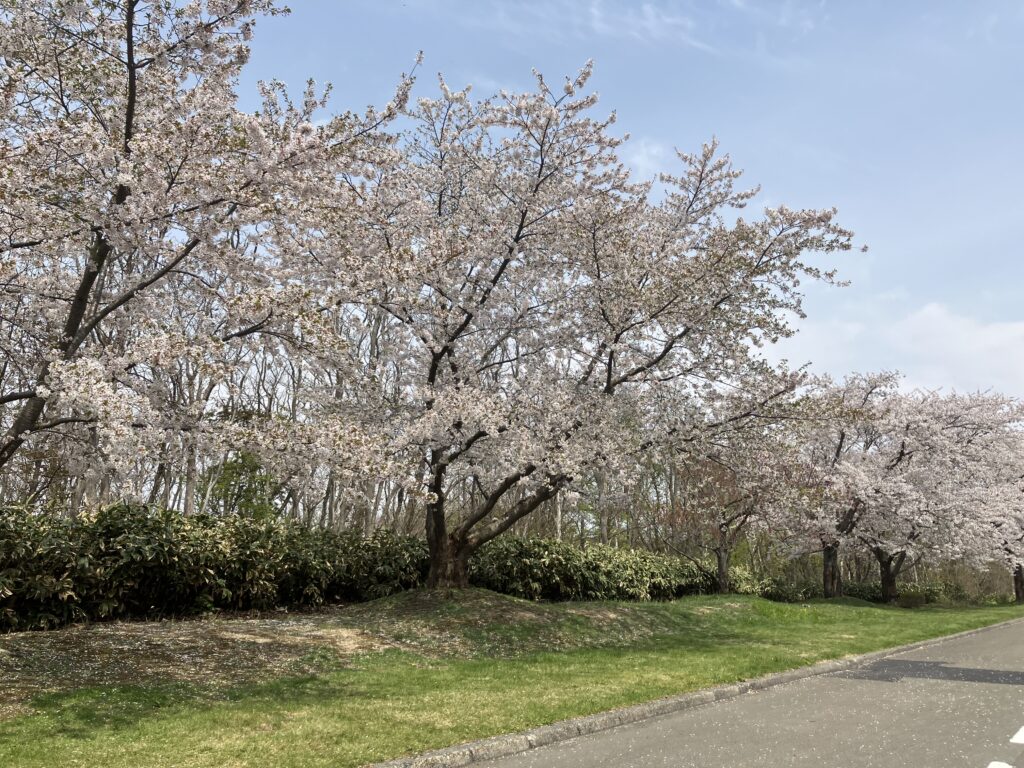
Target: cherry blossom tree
(155, 240)
(999, 494)
(849, 417)
(550, 313)
(739, 467)
(914, 474)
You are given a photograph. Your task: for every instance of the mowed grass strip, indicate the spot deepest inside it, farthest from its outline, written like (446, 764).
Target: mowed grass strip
(409, 673)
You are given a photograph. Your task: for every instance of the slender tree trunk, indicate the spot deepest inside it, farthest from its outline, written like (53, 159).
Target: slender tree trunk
(77, 496)
(602, 508)
(189, 502)
(832, 578)
(372, 503)
(722, 577)
(1018, 584)
(558, 517)
(158, 478)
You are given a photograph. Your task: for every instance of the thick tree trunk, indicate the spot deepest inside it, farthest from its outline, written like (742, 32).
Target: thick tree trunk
(889, 590)
(1018, 584)
(450, 551)
(832, 579)
(889, 567)
(449, 564)
(722, 576)
(442, 568)
(449, 556)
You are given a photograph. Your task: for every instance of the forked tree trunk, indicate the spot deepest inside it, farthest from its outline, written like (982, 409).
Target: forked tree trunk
(450, 551)
(1018, 584)
(832, 580)
(889, 567)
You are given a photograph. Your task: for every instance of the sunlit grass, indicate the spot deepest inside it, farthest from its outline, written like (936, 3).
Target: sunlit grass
(441, 671)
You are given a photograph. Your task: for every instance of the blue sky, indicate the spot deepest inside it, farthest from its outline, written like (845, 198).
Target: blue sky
(907, 116)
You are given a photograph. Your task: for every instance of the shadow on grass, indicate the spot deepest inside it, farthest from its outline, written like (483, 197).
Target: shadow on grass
(702, 642)
(88, 712)
(85, 713)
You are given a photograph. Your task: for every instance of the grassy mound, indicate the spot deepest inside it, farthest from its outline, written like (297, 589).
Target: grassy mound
(406, 673)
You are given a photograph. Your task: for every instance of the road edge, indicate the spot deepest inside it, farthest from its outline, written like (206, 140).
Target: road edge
(516, 743)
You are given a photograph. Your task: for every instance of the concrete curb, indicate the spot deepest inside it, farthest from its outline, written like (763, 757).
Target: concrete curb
(515, 743)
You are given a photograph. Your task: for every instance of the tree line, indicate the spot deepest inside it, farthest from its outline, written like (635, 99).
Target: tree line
(452, 316)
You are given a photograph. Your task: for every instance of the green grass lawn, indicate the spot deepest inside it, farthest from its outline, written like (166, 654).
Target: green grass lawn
(412, 672)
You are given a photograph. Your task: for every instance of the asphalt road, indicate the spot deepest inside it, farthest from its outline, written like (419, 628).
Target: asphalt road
(958, 703)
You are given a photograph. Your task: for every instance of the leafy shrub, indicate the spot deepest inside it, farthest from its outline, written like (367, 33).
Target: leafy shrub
(132, 561)
(544, 569)
(910, 595)
(783, 591)
(140, 562)
(41, 571)
(865, 590)
(148, 562)
(743, 582)
(911, 599)
(955, 592)
(915, 595)
(383, 564)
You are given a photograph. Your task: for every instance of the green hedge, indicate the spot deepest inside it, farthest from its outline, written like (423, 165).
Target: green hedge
(126, 561)
(783, 591)
(911, 595)
(139, 562)
(542, 569)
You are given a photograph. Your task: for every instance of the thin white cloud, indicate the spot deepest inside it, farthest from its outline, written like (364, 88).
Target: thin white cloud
(647, 157)
(797, 16)
(793, 15)
(934, 346)
(943, 347)
(648, 22)
(484, 85)
(561, 20)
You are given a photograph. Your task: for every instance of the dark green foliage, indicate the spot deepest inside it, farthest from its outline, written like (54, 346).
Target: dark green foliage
(783, 591)
(543, 569)
(40, 570)
(915, 595)
(139, 562)
(910, 595)
(126, 561)
(868, 590)
(384, 564)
